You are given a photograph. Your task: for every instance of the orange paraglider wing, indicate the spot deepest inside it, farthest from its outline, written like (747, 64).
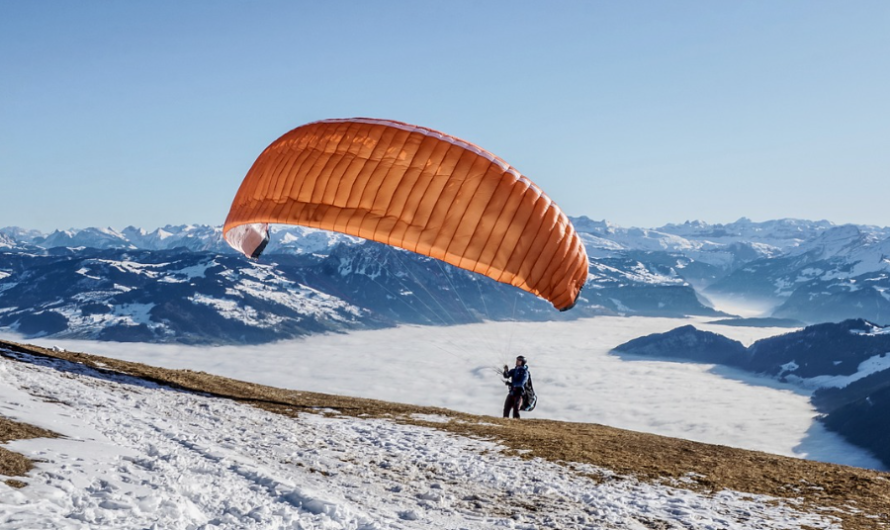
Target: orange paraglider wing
(417, 189)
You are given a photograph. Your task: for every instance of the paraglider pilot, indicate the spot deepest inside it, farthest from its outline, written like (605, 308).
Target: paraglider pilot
(518, 378)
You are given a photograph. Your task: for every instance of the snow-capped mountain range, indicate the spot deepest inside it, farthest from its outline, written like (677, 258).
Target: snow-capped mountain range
(184, 284)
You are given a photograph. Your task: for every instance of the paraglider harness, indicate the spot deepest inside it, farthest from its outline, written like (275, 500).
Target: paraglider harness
(529, 398)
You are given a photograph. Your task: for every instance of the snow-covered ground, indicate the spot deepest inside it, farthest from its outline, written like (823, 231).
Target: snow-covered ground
(135, 455)
(575, 377)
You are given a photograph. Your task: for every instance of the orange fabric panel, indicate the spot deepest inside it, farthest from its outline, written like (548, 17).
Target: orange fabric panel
(417, 189)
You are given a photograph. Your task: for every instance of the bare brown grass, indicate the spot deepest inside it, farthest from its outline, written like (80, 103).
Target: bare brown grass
(13, 464)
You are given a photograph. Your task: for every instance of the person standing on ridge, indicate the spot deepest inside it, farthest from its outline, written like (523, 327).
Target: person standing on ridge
(518, 376)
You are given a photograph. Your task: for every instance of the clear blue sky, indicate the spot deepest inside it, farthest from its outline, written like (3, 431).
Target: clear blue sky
(639, 112)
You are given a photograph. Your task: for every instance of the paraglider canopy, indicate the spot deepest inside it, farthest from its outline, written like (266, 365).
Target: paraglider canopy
(417, 189)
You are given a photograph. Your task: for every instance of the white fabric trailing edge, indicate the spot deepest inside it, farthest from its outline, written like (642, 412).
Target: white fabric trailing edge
(249, 239)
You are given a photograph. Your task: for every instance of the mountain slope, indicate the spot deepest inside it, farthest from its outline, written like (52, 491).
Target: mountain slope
(417, 468)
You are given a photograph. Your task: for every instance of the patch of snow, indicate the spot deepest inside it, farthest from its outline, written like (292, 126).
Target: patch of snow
(264, 283)
(789, 367)
(877, 363)
(145, 269)
(635, 273)
(195, 271)
(808, 274)
(94, 296)
(233, 310)
(134, 314)
(84, 271)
